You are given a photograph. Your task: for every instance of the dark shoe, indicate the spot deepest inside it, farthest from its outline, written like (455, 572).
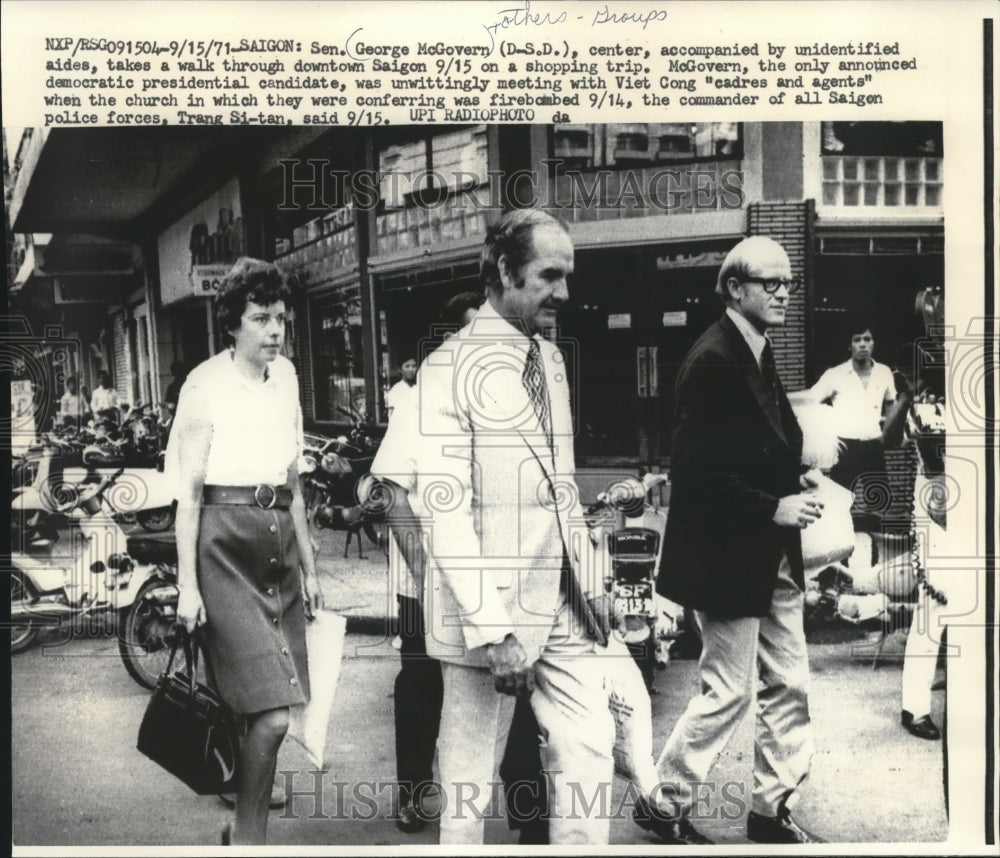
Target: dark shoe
(922, 727)
(674, 831)
(534, 833)
(227, 834)
(409, 819)
(278, 798)
(778, 829)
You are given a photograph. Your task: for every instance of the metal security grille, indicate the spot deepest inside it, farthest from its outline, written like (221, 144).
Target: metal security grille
(119, 354)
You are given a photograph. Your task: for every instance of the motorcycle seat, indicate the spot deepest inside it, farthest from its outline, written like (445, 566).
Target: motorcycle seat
(161, 548)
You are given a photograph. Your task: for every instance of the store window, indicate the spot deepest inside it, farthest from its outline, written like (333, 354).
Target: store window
(892, 164)
(337, 357)
(426, 185)
(584, 147)
(433, 164)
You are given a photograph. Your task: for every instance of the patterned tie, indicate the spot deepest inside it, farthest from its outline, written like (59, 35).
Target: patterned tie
(533, 379)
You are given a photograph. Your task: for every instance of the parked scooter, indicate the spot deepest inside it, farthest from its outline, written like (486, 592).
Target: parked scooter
(96, 577)
(139, 495)
(147, 627)
(332, 475)
(633, 525)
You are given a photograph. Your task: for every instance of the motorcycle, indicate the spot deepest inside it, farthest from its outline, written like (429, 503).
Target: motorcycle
(633, 526)
(67, 460)
(96, 578)
(147, 626)
(333, 473)
(141, 495)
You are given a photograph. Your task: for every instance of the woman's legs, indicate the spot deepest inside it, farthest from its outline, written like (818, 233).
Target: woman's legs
(258, 757)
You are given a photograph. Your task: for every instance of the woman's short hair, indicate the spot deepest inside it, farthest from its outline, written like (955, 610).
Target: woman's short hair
(511, 237)
(248, 280)
(104, 378)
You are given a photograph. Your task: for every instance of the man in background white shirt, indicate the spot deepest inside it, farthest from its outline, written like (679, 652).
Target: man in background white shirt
(404, 390)
(860, 390)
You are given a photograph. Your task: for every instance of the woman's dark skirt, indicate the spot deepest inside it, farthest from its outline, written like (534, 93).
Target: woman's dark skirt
(248, 574)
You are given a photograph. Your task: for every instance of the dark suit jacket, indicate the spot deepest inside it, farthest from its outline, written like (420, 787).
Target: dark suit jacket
(734, 454)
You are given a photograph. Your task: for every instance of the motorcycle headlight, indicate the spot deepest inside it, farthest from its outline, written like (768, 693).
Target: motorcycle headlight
(333, 463)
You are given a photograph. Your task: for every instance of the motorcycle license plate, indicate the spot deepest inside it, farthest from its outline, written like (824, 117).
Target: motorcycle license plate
(634, 598)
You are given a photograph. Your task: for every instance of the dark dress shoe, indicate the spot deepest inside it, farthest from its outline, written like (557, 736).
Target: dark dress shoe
(778, 829)
(408, 818)
(922, 727)
(227, 834)
(674, 831)
(534, 833)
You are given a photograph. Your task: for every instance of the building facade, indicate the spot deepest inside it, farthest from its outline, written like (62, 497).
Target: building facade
(382, 226)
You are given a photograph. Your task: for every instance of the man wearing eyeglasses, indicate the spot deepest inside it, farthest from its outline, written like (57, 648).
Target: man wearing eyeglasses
(732, 554)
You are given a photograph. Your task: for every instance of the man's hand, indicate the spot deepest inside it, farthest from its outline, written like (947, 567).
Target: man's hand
(603, 608)
(312, 595)
(799, 510)
(190, 608)
(512, 674)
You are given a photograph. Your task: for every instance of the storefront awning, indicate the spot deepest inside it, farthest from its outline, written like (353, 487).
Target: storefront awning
(106, 181)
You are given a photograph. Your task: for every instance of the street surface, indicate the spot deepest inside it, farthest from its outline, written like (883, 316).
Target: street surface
(78, 780)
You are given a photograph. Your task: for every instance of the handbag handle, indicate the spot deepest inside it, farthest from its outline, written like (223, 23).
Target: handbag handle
(191, 642)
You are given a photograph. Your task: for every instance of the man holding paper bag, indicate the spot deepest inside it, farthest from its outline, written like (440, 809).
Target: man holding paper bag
(732, 551)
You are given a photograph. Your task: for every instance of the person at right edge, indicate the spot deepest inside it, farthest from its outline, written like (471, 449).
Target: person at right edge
(732, 553)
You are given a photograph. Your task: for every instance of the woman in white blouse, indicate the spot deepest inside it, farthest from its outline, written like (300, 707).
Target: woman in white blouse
(245, 564)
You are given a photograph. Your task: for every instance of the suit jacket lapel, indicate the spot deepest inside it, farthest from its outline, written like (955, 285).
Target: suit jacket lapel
(754, 379)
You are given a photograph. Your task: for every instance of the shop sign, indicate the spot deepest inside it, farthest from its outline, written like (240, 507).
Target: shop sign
(204, 238)
(708, 259)
(617, 321)
(206, 279)
(675, 319)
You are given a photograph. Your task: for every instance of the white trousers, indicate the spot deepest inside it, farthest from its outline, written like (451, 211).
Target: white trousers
(736, 653)
(921, 658)
(571, 706)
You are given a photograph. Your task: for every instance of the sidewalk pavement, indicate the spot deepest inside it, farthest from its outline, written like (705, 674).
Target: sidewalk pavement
(357, 587)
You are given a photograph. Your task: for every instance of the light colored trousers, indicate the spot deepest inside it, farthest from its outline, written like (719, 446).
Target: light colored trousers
(577, 728)
(736, 653)
(920, 659)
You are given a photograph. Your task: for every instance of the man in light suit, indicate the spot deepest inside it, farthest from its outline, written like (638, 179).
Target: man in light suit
(512, 598)
(732, 552)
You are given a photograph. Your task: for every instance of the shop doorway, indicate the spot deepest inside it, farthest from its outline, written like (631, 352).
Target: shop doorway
(875, 290)
(409, 315)
(633, 315)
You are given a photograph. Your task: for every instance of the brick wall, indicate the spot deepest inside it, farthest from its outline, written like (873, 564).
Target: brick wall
(790, 224)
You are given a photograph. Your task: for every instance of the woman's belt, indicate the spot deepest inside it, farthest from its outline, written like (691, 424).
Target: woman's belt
(264, 496)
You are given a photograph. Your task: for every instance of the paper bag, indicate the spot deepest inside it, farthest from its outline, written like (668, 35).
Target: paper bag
(630, 707)
(830, 538)
(324, 647)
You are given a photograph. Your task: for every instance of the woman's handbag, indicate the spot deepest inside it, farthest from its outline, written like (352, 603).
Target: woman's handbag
(188, 730)
(830, 538)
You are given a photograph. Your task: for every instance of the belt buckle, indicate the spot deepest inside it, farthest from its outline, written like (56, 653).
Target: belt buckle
(274, 496)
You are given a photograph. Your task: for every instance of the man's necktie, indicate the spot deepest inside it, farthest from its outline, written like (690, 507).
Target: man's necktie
(770, 373)
(533, 379)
